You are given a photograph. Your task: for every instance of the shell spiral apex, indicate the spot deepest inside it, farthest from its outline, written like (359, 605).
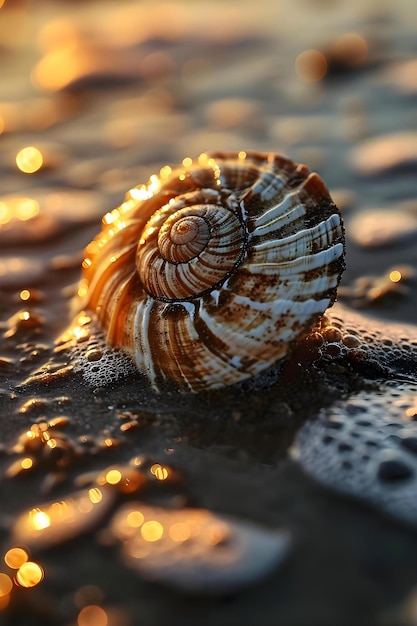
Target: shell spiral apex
(209, 273)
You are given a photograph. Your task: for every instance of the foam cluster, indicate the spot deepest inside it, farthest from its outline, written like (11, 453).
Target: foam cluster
(99, 363)
(367, 447)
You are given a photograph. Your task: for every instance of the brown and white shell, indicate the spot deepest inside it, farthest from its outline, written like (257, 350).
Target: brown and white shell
(210, 272)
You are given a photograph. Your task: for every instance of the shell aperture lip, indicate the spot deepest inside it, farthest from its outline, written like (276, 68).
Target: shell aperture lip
(208, 276)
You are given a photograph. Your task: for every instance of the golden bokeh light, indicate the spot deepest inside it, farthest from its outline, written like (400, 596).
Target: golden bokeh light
(95, 495)
(395, 276)
(24, 294)
(165, 171)
(113, 477)
(311, 65)
(29, 160)
(6, 585)
(92, 615)
(15, 557)
(24, 316)
(83, 320)
(152, 531)
(27, 463)
(26, 209)
(145, 191)
(137, 461)
(22, 209)
(160, 472)
(39, 520)
(29, 574)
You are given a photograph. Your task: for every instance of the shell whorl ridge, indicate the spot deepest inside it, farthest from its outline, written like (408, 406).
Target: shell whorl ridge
(209, 273)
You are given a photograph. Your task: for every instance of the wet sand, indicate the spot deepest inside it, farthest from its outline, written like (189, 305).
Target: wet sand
(108, 95)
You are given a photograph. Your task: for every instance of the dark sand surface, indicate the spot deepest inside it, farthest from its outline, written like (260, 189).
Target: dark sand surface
(109, 93)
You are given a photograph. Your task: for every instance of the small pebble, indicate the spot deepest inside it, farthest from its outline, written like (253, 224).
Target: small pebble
(18, 271)
(44, 214)
(235, 113)
(377, 156)
(382, 227)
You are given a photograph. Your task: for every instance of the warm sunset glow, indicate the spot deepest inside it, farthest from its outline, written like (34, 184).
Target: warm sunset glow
(152, 531)
(15, 557)
(29, 160)
(311, 65)
(29, 574)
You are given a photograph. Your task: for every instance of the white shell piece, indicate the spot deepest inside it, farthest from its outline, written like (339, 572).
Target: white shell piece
(195, 550)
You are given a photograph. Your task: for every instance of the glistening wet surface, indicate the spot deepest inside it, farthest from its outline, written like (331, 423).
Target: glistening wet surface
(121, 506)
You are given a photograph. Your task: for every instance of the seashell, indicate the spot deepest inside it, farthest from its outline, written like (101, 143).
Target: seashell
(209, 273)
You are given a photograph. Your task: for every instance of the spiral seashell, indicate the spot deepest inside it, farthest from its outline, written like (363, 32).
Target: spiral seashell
(210, 272)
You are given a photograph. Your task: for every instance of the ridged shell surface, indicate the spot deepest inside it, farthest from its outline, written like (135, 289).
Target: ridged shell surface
(210, 272)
